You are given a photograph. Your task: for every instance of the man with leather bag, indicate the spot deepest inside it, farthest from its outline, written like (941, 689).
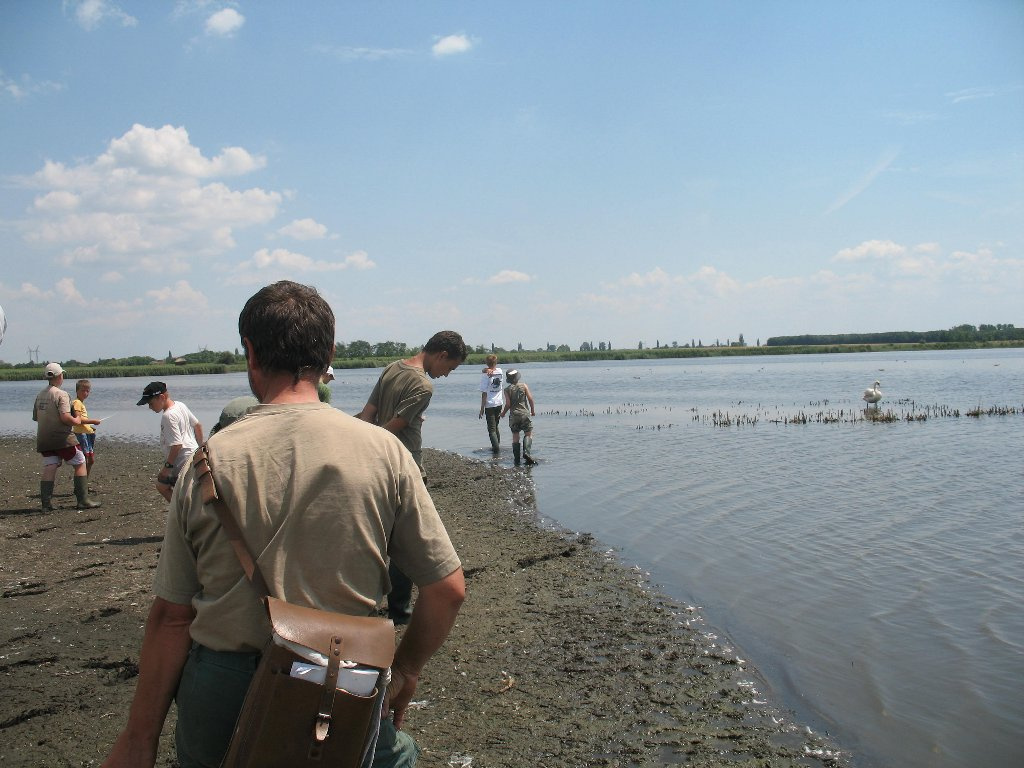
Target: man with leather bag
(323, 501)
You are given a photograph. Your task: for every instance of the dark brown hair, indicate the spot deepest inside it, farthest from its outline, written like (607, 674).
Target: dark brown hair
(290, 327)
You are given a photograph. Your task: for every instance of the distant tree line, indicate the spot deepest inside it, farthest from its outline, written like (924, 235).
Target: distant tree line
(202, 357)
(1000, 332)
(361, 349)
(360, 352)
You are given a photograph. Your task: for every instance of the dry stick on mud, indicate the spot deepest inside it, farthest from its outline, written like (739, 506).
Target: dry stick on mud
(561, 656)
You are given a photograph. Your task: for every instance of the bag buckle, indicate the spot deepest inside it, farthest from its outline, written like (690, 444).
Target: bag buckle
(323, 725)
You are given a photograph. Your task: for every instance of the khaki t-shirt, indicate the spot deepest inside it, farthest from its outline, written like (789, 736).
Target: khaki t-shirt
(52, 434)
(403, 391)
(323, 500)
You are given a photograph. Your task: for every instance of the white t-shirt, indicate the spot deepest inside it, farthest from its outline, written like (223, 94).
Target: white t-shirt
(491, 383)
(177, 427)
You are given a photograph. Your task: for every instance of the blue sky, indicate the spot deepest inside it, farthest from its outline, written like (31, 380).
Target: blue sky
(529, 172)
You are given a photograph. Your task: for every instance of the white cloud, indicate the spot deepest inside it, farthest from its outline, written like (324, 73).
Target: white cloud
(713, 282)
(31, 291)
(920, 266)
(178, 299)
(971, 94)
(983, 266)
(169, 150)
(450, 45)
(224, 23)
(68, 294)
(871, 249)
(508, 276)
(705, 281)
(267, 264)
(304, 229)
(91, 13)
(264, 258)
(866, 181)
(359, 260)
(656, 277)
(58, 200)
(26, 87)
(911, 117)
(356, 53)
(146, 201)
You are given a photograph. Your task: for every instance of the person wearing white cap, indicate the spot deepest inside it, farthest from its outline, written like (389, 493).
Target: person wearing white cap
(56, 442)
(322, 390)
(521, 411)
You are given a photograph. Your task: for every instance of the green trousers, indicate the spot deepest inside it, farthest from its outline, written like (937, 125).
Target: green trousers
(210, 695)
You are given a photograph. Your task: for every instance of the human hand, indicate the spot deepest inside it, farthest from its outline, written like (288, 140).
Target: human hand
(129, 754)
(400, 692)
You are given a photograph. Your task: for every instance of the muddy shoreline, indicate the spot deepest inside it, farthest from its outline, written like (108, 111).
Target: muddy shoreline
(561, 655)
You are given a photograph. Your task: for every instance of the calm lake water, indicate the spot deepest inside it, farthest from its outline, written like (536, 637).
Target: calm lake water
(872, 571)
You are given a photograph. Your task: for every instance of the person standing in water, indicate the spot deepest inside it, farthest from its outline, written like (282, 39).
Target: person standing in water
(520, 407)
(491, 400)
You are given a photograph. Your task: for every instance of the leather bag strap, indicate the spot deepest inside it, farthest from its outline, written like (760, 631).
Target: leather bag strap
(204, 475)
(323, 716)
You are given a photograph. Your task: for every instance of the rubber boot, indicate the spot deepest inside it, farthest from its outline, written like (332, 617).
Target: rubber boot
(515, 453)
(82, 494)
(527, 445)
(46, 494)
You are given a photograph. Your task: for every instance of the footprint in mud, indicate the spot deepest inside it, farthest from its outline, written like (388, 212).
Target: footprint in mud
(125, 669)
(102, 613)
(25, 588)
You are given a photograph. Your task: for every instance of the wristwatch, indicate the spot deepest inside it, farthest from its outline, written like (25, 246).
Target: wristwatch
(168, 465)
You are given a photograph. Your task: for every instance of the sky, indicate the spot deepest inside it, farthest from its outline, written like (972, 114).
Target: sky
(525, 173)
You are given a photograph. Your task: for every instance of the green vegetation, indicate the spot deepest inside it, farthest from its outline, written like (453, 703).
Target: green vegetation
(363, 354)
(201, 362)
(959, 333)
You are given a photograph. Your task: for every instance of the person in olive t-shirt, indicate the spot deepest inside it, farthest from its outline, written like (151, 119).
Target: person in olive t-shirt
(399, 398)
(325, 509)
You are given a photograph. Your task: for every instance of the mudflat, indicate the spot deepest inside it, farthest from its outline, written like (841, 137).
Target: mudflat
(561, 655)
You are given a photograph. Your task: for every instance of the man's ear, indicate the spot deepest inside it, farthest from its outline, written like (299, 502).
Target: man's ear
(250, 353)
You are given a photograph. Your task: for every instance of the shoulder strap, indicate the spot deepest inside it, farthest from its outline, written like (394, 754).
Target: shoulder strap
(204, 475)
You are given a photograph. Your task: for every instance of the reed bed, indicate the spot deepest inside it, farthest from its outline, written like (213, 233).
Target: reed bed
(817, 412)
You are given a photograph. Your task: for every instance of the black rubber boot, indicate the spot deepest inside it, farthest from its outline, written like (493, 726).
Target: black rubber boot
(527, 445)
(82, 494)
(46, 495)
(515, 453)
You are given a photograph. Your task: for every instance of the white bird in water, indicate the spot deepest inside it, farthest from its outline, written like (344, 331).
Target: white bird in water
(873, 395)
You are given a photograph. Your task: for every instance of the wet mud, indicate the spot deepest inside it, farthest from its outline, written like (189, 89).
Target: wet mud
(561, 656)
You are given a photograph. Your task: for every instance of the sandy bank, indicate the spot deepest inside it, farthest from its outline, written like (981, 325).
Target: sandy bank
(561, 656)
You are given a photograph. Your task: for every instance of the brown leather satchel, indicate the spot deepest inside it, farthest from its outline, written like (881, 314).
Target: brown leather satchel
(319, 691)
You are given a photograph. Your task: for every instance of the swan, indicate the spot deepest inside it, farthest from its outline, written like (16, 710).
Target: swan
(872, 395)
